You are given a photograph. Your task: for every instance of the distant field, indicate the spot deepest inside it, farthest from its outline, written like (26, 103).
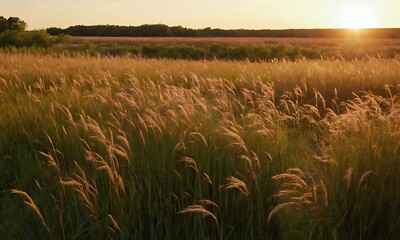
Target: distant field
(224, 48)
(193, 40)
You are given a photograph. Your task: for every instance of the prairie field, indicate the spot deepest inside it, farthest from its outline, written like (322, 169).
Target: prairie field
(295, 41)
(232, 48)
(100, 147)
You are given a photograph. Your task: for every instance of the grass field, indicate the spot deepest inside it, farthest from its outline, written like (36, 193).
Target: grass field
(131, 148)
(252, 49)
(305, 42)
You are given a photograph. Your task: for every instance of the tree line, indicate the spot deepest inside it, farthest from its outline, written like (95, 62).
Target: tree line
(161, 30)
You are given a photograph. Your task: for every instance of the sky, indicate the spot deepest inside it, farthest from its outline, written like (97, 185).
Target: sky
(226, 14)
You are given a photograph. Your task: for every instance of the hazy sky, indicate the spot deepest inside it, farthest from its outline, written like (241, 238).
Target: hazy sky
(228, 14)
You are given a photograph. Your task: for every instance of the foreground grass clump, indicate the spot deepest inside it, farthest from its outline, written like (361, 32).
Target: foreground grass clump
(146, 149)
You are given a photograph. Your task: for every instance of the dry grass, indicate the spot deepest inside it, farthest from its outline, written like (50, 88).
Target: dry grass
(306, 42)
(136, 149)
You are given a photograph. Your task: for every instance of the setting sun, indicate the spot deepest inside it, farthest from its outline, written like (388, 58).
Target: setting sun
(358, 16)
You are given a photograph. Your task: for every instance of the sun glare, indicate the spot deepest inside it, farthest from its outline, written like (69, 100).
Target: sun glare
(358, 17)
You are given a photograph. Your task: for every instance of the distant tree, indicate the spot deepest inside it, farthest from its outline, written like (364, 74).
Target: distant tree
(3, 24)
(12, 23)
(157, 30)
(178, 31)
(54, 31)
(15, 23)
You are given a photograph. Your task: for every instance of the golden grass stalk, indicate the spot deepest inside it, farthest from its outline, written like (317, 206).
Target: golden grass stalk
(198, 209)
(235, 183)
(28, 201)
(364, 177)
(190, 163)
(114, 223)
(282, 206)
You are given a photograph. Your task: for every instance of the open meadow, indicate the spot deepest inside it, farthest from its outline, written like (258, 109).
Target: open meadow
(101, 147)
(231, 48)
(293, 41)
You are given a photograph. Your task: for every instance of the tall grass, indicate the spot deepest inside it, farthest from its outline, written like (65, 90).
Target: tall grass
(122, 148)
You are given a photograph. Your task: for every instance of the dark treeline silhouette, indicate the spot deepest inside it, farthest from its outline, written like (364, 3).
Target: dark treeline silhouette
(160, 30)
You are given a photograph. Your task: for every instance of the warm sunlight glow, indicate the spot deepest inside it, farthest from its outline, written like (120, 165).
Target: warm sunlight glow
(358, 16)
